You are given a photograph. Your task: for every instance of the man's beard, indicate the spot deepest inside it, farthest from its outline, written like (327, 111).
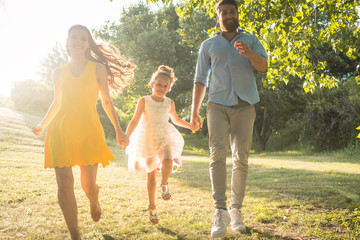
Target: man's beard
(230, 25)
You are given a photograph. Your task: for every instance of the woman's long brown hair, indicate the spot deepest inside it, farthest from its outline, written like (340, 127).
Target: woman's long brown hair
(120, 71)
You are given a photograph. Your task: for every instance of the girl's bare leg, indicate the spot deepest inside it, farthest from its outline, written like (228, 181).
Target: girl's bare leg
(166, 168)
(67, 201)
(151, 187)
(91, 189)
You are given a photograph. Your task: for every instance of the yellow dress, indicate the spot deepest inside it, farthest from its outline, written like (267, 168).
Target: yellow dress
(75, 136)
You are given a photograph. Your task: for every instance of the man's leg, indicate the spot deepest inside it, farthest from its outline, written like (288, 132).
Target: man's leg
(218, 125)
(242, 122)
(241, 130)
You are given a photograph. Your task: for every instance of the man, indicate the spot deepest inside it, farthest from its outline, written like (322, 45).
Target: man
(230, 57)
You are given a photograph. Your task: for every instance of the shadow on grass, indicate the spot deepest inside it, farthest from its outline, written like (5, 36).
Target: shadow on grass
(171, 233)
(333, 189)
(330, 188)
(107, 237)
(251, 231)
(311, 157)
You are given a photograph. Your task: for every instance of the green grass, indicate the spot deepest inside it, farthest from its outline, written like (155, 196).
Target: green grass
(290, 195)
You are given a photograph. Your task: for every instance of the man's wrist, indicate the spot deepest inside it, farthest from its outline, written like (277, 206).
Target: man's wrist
(194, 113)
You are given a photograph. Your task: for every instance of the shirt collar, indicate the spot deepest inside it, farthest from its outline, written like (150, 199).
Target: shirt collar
(239, 31)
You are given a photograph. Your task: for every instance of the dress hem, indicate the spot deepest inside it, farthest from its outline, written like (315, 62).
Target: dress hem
(104, 164)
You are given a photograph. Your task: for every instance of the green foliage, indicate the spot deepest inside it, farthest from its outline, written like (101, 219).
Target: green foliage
(36, 96)
(152, 38)
(105, 122)
(289, 30)
(287, 101)
(358, 128)
(285, 138)
(31, 96)
(276, 108)
(56, 58)
(330, 117)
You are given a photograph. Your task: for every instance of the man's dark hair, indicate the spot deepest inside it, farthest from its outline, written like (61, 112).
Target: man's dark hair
(223, 2)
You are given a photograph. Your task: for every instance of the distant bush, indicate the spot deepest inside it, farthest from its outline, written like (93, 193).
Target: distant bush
(31, 96)
(106, 123)
(330, 118)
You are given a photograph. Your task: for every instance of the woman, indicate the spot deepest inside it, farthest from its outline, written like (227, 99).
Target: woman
(75, 135)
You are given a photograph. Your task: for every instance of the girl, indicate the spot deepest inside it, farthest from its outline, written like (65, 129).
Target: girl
(153, 140)
(75, 135)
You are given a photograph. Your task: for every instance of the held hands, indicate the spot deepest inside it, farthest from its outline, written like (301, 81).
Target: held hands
(244, 49)
(38, 129)
(196, 122)
(122, 139)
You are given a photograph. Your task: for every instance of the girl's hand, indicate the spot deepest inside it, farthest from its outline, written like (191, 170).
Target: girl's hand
(193, 128)
(122, 139)
(38, 129)
(196, 122)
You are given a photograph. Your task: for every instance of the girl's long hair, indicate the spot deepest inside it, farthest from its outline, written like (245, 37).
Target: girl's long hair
(120, 71)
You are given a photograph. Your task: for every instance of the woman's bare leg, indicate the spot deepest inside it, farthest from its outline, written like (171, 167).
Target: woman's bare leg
(91, 189)
(67, 201)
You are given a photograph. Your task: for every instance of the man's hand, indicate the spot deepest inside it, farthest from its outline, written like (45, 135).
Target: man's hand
(256, 60)
(244, 49)
(196, 122)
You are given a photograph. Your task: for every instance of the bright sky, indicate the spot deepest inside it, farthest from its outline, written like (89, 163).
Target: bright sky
(30, 29)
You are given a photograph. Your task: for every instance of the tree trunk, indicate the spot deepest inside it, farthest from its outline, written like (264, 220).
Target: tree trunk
(263, 130)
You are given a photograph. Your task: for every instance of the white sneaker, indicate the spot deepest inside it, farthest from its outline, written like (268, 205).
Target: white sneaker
(221, 221)
(237, 225)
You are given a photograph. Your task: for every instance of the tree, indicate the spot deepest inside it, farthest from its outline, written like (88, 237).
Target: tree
(287, 102)
(277, 107)
(30, 95)
(152, 38)
(56, 58)
(330, 117)
(289, 30)
(294, 34)
(36, 96)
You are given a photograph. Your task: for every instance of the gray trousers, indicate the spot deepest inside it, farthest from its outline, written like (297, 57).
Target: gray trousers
(232, 124)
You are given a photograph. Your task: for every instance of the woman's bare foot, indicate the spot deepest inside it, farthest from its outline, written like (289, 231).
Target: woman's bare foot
(95, 212)
(95, 209)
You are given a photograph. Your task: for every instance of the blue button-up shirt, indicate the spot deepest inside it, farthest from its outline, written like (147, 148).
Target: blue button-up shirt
(232, 74)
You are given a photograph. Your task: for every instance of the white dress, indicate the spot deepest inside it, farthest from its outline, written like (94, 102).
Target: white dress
(153, 135)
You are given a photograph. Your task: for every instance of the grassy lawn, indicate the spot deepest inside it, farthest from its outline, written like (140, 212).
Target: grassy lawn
(290, 195)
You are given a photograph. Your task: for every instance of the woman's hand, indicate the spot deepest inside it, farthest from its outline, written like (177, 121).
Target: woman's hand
(38, 129)
(122, 139)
